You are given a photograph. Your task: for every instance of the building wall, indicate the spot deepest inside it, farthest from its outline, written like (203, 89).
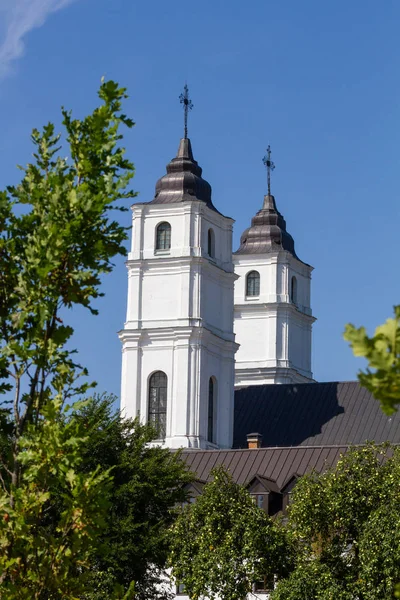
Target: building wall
(180, 321)
(273, 329)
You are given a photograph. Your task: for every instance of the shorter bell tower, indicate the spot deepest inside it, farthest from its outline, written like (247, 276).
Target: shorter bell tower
(273, 317)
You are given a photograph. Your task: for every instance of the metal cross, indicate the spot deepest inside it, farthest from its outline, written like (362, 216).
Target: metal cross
(270, 167)
(187, 105)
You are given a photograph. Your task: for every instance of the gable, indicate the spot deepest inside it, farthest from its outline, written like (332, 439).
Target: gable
(260, 484)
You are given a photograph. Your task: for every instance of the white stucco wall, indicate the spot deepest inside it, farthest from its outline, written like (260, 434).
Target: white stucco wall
(169, 588)
(273, 331)
(180, 321)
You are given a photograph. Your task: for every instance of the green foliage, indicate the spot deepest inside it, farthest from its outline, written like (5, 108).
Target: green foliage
(148, 483)
(345, 525)
(382, 351)
(42, 557)
(223, 543)
(57, 238)
(54, 251)
(380, 551)
(311, 581)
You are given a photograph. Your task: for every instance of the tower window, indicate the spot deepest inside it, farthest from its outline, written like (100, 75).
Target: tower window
(158, 402)
(163, 236)
(211, 411)
(293, 290)
(253, 283)
(211, 243)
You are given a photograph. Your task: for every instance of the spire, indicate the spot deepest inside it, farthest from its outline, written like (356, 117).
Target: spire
(183, 180)
(267, 232)
(187, 105)
(270, 167)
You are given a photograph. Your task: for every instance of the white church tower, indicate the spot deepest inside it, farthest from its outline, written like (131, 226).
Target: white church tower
(273, 318)
(178, 343)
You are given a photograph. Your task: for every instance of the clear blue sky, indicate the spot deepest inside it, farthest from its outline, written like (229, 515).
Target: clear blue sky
(319, 81)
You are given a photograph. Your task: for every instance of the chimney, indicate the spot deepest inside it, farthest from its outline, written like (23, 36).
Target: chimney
(254, 440)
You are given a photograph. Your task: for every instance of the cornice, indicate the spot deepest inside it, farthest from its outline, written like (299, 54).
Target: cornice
(199, 335)
(248, 375)
(265, 308)
(272, 258)
(192, 207)
(166, 263)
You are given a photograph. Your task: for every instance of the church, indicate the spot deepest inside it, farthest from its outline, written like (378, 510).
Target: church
(216, 347)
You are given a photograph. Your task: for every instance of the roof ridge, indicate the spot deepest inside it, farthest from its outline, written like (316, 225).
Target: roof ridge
(209, 451)
(313, 383)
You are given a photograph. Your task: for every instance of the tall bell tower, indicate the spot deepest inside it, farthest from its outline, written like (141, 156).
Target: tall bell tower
(178, 343)
(273, 317)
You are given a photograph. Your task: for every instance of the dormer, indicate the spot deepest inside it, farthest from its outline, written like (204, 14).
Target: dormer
(265, 493)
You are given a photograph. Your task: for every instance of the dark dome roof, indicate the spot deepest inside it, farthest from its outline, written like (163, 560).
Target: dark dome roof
(267, 232)
(183, 180)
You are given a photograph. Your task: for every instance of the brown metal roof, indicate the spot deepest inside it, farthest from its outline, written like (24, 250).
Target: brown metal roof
(276, 464)
(304, 426)
(183, 181)
(267, 232)
(312, 414)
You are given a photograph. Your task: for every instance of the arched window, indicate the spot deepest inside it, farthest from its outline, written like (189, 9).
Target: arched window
(158, 402)
(253, 283)
(293, 290)
(211, 243)
(163, 236)
(211, 410)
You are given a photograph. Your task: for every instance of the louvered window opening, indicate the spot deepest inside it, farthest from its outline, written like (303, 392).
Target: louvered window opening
(253, 284)
(163, 241)
(211, 243)
(210, 432)
(158, 403)
(293, 290)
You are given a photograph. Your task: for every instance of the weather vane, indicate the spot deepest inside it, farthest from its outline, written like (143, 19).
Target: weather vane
(187, 105)
(270, 167)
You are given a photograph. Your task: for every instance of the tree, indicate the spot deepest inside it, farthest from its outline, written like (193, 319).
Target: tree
(345, 525)
(382, 377)
(382, 351)
(148, 484)
(223, 543)
(57, 239)
(42, 557)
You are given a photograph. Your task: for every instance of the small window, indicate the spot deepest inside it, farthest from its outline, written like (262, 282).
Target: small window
(163, 236)
(293, 290)
(211, 411)
(158, 402)
(190, 500)
(266, 584)
(211, 243)
(253, 283)
(180, 589)
(258, 500)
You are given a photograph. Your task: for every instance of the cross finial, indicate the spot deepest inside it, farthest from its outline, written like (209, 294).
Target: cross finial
(187, 105)
(270, 167)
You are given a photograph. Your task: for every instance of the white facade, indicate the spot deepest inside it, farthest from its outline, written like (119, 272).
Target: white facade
(180, 322)
(186, 316)
(273, 317)
(273, 329)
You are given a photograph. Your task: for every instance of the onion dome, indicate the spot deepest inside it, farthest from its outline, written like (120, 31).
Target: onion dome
(267, 232)
(183, 181)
